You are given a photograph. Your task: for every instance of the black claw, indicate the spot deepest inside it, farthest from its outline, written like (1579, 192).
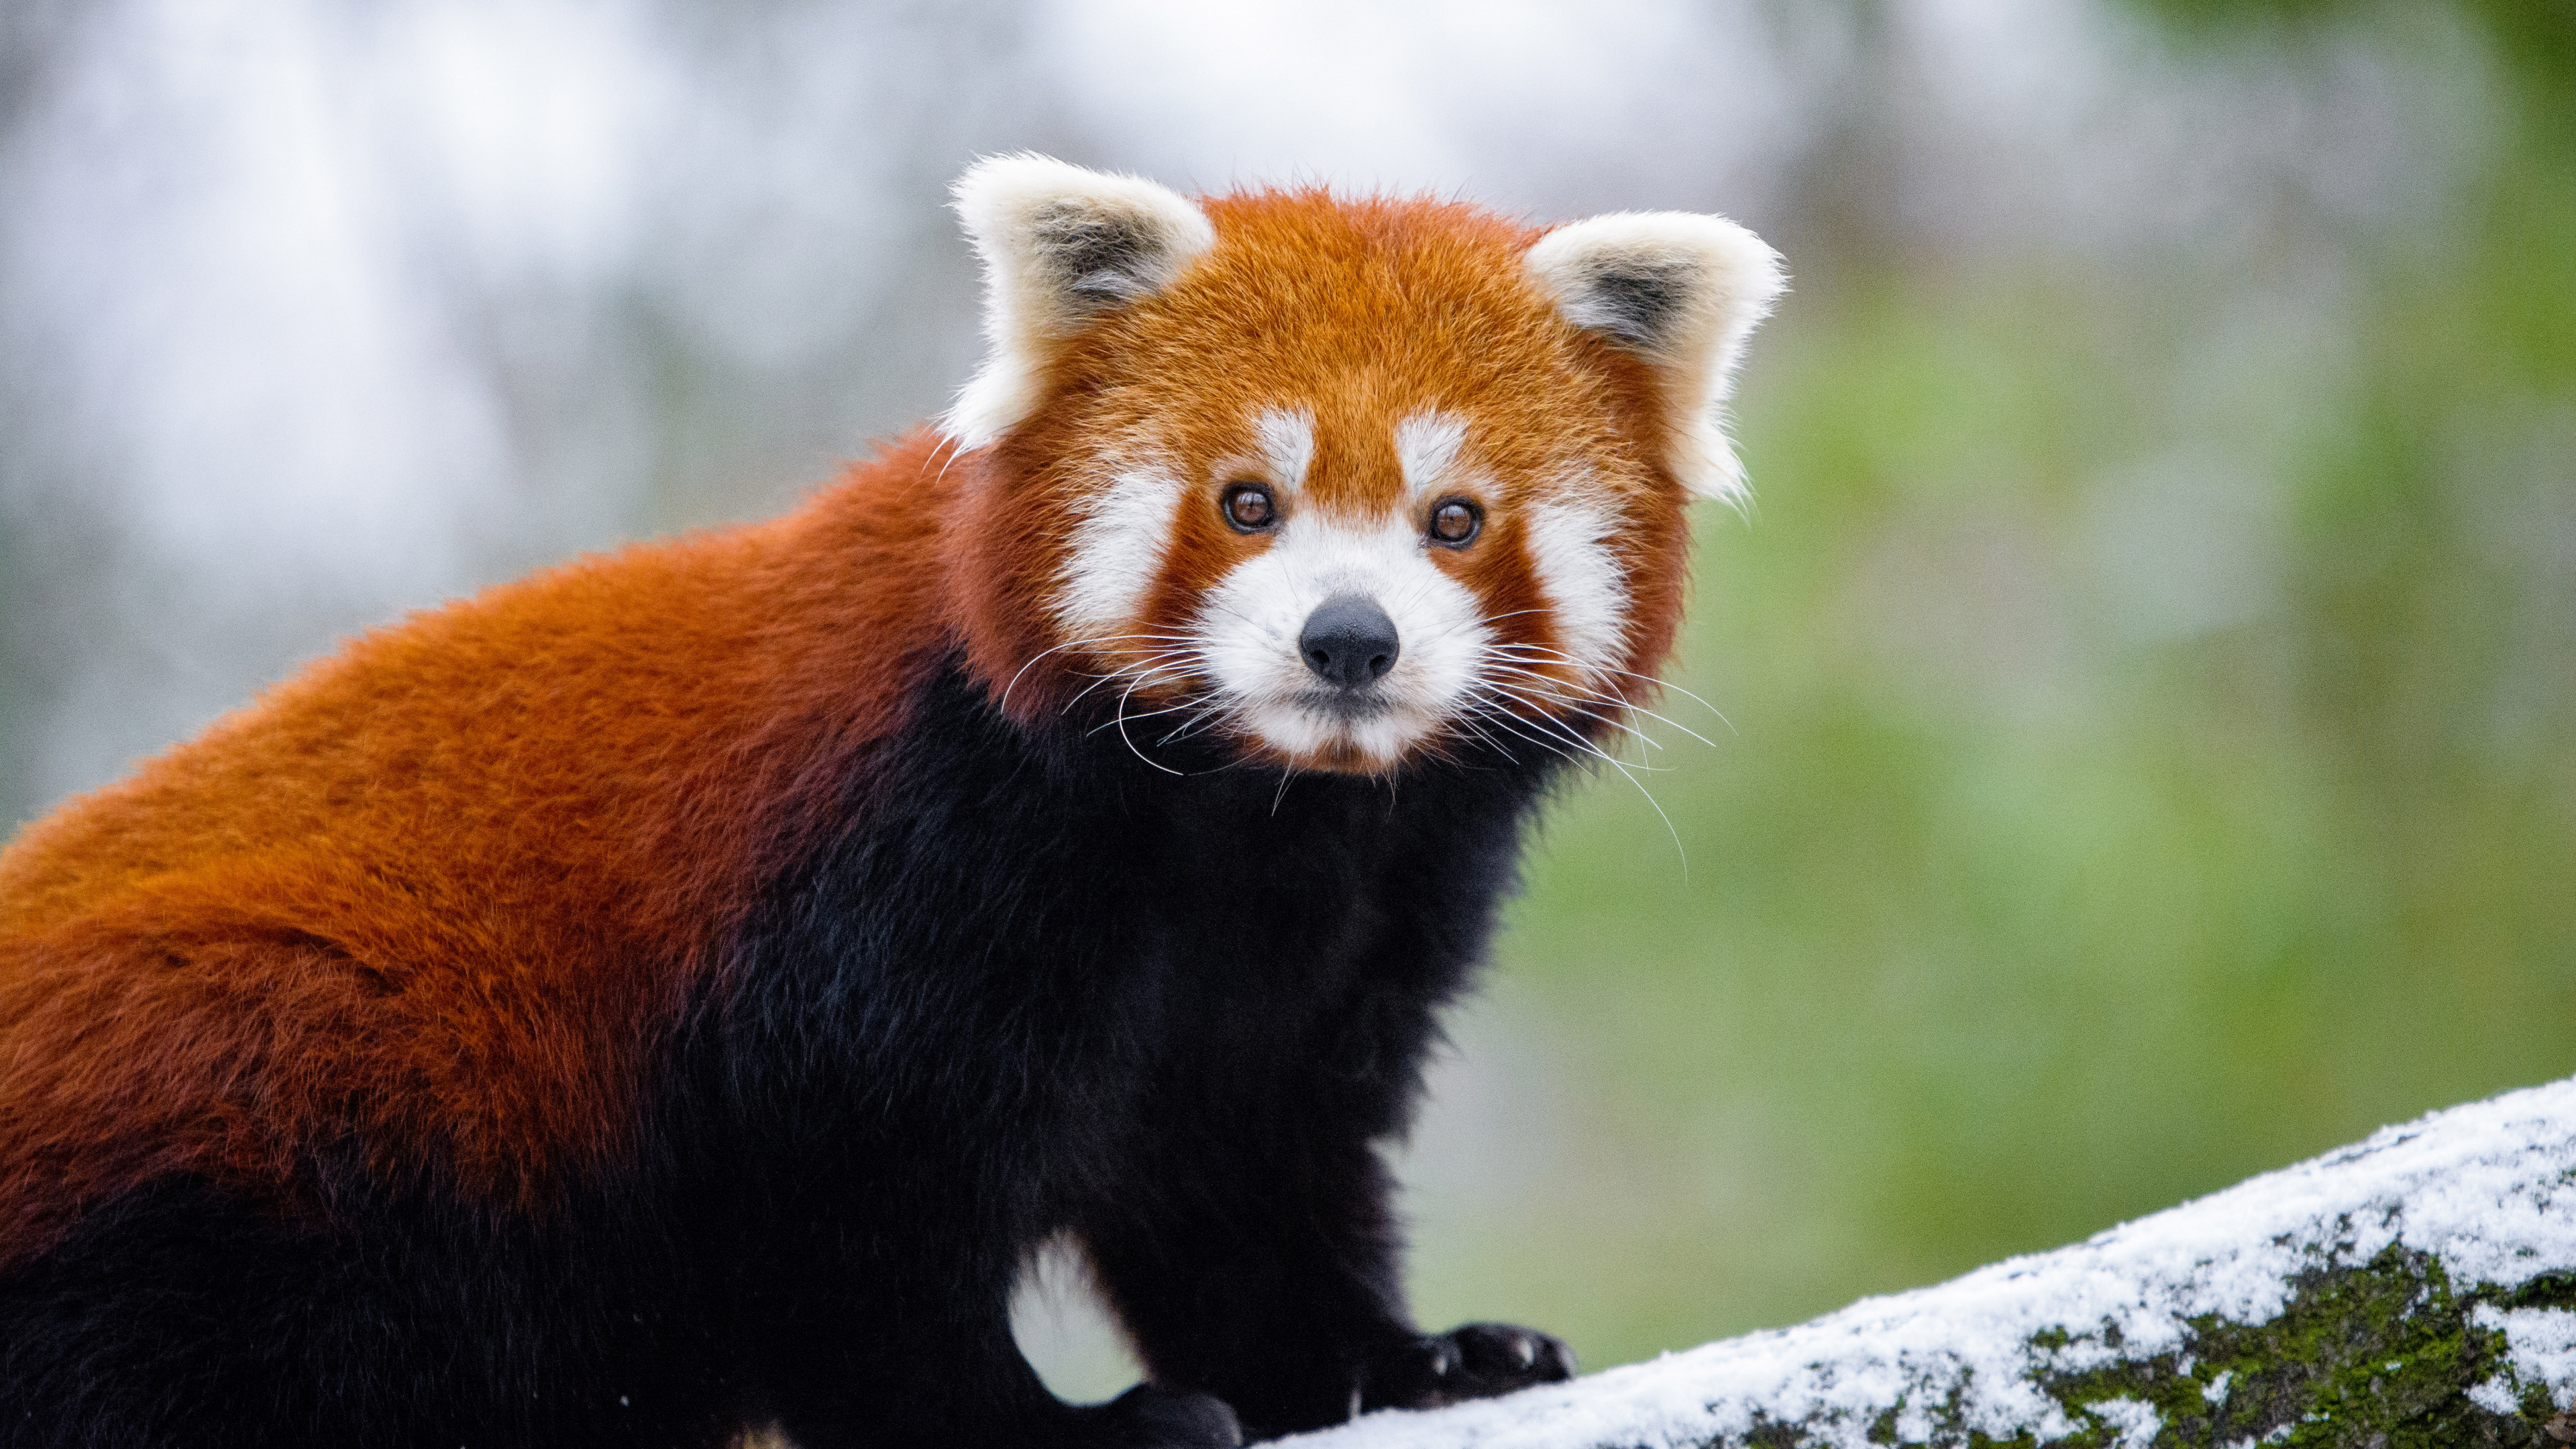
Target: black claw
(1472, 1361)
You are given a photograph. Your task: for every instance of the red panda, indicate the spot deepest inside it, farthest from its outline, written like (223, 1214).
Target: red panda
(676, 992)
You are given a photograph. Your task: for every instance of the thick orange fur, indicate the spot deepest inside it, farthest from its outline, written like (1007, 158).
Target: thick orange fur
(433, 898)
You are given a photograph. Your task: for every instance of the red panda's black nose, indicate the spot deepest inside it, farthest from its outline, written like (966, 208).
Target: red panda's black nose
(1349, 641)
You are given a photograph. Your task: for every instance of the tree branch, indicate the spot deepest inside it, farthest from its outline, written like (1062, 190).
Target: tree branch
(2411, 1290)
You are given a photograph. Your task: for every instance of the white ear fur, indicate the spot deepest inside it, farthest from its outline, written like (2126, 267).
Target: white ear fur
(1681, 291)
(1060, 246)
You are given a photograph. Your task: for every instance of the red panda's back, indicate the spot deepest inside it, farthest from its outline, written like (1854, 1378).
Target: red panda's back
(434, 897)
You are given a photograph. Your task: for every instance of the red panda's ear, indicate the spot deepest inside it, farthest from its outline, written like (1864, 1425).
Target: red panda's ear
(1061, 245)
(1682, 292)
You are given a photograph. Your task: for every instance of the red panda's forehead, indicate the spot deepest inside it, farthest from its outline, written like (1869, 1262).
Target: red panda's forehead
(1356, 317)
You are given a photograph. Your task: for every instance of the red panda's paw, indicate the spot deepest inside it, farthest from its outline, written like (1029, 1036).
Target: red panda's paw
(1147, 1417)
(1471, 1361)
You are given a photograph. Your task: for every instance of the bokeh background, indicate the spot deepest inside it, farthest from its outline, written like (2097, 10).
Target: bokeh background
(2148, 671)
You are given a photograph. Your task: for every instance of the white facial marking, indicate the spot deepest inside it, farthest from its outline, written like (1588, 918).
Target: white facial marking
(1427, 445)
(1117, 552)
(1287, 441)
(1246, 635)
(1247, 638)
(1587, 593)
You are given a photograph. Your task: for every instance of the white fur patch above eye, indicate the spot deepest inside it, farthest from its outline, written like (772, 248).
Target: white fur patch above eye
(1682, 292)
(1117, 552)
(1286, 438)
(1427, 445)
(1587, 592)
(1060, 246)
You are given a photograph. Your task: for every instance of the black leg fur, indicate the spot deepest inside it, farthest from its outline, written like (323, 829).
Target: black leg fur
(1037, 986)
(1049, 986)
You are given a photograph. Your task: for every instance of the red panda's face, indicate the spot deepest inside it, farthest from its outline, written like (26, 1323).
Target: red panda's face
(1335, 542)
(1341, 601)
(1341, 484)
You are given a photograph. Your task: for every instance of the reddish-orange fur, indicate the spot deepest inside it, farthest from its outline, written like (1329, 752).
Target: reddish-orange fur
(437, 894)
(434, 900)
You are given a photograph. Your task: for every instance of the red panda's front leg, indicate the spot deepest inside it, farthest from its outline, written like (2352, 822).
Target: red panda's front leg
(1278, 1301)
(1267, 1272)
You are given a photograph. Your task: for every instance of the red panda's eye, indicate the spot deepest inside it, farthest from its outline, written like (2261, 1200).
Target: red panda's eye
(1455, 522)
(1249, 509)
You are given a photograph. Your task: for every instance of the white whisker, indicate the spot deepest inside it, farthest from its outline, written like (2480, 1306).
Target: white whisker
(1131, 742)
(1571, 662)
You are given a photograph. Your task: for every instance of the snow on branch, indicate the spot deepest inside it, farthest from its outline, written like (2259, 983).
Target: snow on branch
(2414, 1289)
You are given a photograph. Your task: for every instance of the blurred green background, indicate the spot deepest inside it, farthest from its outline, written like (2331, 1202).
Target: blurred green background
(2153, 761)
(2148, 668)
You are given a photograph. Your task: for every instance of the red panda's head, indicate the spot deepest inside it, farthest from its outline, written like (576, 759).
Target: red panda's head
(1337, 482)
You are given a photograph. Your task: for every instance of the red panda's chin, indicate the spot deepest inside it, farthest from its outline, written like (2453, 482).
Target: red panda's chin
(1367, 734)
(1338, 760)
